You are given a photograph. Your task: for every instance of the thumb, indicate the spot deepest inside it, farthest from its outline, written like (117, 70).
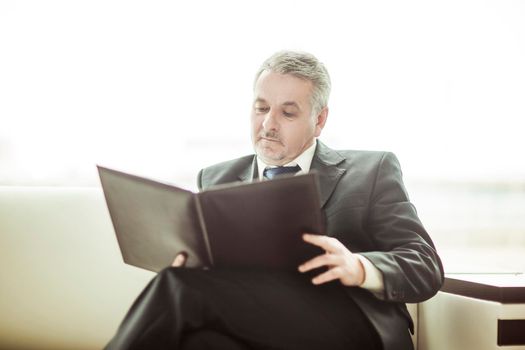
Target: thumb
(180, 259)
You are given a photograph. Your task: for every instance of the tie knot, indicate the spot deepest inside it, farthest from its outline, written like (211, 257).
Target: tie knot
(270, 173)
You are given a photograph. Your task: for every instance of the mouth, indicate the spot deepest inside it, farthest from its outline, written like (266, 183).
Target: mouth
(269, 139)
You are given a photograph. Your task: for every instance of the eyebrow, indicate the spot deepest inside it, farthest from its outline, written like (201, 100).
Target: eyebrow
(287, 103)
(292, 103)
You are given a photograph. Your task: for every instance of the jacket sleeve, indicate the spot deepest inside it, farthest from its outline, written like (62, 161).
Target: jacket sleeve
(405, 254)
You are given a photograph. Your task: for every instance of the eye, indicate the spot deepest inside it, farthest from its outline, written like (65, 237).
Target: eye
(288, 114)
(261, 109)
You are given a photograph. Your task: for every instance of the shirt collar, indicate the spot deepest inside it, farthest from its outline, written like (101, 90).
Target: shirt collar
(304, 160)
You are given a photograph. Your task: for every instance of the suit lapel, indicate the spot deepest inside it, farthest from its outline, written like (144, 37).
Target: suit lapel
(250, 172)
(325, 163)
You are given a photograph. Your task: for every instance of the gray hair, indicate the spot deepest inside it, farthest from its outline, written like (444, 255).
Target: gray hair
(304, 66)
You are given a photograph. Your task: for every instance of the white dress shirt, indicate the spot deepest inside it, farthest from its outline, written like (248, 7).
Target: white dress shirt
(373, 277)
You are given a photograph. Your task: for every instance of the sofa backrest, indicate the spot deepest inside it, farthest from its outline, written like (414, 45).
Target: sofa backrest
(63, 282)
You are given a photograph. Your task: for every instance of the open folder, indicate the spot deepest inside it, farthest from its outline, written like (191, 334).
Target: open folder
(240, 225)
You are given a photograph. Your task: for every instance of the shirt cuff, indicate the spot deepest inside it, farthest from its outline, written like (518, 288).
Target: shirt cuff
(373, 277)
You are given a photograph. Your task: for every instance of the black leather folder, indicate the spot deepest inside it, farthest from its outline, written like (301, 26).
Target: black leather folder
(240, 225)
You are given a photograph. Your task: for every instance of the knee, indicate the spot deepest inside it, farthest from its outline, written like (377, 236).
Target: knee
(179, 281)
(171, 274)
(182, 275)
(167, 279)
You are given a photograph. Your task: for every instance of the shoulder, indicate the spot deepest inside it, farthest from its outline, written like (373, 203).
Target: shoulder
(371, 158)
(374, 163)
(224, 172)
(364, 159)
(230, 165)
(365, 155)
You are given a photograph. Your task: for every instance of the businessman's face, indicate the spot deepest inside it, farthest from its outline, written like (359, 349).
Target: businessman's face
(282, 122)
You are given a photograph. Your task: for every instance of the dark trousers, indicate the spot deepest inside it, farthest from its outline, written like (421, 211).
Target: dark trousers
(234, 309)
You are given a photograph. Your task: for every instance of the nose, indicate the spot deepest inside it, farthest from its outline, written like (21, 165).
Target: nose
(270, 122)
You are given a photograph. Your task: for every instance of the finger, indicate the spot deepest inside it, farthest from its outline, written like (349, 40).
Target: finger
(328, 244)
(180, 260)
(320, 260)
(330, 275)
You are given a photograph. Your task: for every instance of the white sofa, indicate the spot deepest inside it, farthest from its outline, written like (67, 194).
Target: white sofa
(63, 282)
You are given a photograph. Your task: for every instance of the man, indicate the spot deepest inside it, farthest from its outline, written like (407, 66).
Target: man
(378, 255)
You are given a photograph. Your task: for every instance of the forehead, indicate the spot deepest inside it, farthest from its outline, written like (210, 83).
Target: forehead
(277, 88)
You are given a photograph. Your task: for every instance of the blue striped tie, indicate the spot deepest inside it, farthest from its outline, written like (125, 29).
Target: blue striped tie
(270, 173)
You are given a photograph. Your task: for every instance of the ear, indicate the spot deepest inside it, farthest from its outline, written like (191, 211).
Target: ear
(320, 121)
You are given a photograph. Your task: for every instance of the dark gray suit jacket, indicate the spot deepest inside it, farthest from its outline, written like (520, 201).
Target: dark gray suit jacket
(367, 208)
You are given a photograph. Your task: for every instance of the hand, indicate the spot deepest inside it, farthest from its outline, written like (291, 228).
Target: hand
(341, 263)
(180, 260)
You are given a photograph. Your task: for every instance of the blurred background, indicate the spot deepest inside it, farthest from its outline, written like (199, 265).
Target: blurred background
(164, 88)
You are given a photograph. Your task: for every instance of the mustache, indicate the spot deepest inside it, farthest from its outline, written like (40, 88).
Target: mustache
(272, 135)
